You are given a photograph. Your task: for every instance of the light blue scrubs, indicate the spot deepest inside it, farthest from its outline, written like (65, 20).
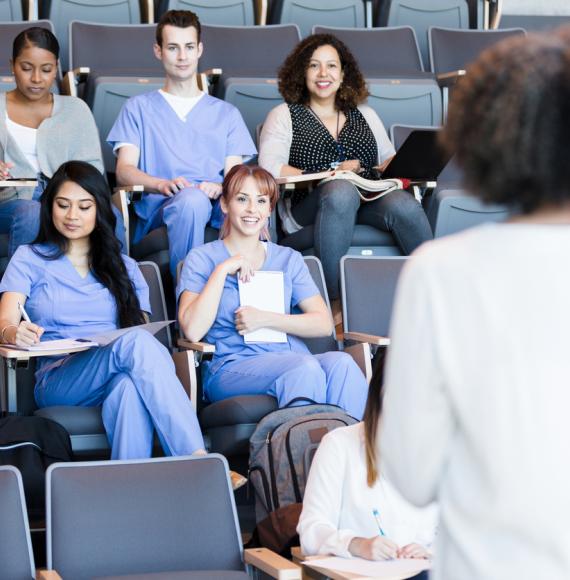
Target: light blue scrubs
(169, 147)
(133, 378)
(284, 370)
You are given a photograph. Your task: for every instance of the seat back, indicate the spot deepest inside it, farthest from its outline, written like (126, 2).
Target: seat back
(421, 14)
(229, 12)
(324, 343)
(132, 517)
(11, 11)
(534, 22)
(405, 101)
(380, 51)
(451, 49)
(151, 274)
(307, 13)
(62, 12)
(16, 556)
(255, 51)
(368, 286)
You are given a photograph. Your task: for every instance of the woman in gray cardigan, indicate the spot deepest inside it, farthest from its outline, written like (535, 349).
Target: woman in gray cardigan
(38, 132)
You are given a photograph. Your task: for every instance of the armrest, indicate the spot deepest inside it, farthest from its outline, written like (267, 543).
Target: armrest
(186, 372)
(72, 78)
(47, 575)
(369, 338)
(272, 564)
(203, 347)
(208, 77)
(362, 356)
(450, 78)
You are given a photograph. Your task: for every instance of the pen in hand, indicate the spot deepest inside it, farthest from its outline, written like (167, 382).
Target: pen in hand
(25, 316)
(376, 515)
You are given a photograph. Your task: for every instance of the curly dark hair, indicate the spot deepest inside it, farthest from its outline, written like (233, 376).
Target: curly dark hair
(293, 87)
(105, 254)
(508, 123)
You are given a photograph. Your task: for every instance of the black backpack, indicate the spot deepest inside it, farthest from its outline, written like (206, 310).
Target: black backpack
(32, 444)
(281, 451)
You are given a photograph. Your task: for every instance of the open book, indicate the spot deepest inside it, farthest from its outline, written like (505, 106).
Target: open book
(368, 189)
(64, 345)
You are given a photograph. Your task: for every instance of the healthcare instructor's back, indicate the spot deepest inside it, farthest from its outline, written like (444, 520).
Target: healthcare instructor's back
(478, 380)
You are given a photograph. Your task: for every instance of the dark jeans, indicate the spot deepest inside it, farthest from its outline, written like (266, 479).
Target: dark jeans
(335, 208)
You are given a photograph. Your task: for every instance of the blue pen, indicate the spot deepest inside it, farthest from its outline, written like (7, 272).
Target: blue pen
(376, 515)
(23, 313)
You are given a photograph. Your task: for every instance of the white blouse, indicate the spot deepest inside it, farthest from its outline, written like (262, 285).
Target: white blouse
(338, 504)
(27, 139)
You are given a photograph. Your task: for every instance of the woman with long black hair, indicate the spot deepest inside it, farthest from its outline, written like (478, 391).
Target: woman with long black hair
(75, 283)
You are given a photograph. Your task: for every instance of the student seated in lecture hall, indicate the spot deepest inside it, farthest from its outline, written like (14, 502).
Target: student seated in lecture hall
(350, 508)
(209, 308)
(39, 131)
(178, 141)
(74, 282)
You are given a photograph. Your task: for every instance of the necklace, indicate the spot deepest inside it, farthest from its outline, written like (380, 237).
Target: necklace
(341, 156)
(321, 121)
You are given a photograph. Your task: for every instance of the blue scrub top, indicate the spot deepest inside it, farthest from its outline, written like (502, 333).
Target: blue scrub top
(60, 300)
(230, 345)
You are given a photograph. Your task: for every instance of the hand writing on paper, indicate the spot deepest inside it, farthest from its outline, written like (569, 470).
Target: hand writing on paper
(413, 551)
(212, 190)
(27, 334)
(169, 187)
(350, 165)
(375, 548)
(247, 319)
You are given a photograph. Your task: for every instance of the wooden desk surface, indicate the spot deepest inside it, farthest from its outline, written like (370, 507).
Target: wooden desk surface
(14, 353)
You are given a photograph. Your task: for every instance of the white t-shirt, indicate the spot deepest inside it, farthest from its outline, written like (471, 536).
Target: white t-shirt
(338, 504)
(26, 138)
(477, 404)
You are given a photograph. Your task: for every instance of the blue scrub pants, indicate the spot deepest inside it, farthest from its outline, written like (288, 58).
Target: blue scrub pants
(20, 218)
(186, 216)
(135, 381)
(331, 377)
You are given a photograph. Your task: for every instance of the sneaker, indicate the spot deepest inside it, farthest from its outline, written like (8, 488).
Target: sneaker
(288, 223)
(238, 480)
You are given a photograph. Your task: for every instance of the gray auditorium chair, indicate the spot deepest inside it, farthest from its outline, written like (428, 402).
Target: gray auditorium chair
(308, 13)
(9, 31)
(110, 63)
(84, 424)
(63, 12)
(452, 210)
(227, 425)
(400, 91)
(532, 16)
(368, 287)
(169, 518)
(11, 11)
(229, 12)
(421, 14)
(16, 556)
(452, 50)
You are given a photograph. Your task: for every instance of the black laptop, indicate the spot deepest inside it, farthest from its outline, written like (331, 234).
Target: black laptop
(420, 157)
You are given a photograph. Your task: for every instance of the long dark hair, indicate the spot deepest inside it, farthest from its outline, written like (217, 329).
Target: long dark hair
(371, 418)
(105, 259)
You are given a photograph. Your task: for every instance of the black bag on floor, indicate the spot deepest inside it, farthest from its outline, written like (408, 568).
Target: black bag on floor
(281, 451)
(32, 444)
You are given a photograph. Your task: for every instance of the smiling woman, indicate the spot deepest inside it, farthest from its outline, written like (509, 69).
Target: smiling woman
(39, 131)
(209, 306)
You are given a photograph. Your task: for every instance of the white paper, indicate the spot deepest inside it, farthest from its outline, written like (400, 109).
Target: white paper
(380, 570)
(107, 337)
(265, 291)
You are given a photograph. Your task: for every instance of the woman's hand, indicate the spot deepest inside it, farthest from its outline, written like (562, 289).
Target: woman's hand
(413, 551)
(375, 548)
(5, 170)
(247, 319)
(239, 264)
(27, 333)
(350, 165)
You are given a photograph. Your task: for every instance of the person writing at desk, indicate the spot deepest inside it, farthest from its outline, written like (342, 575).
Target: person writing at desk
(350, 508)
(324, 124)
(75, 283)
(209, 306)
